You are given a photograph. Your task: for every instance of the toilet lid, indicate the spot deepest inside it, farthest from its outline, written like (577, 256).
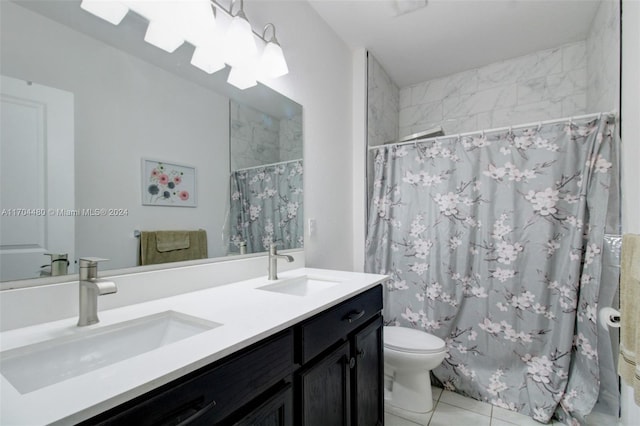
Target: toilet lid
(405, 339)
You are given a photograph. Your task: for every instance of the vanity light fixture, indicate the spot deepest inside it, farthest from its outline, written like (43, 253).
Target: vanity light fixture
(171, 23)
(162, 35)
(272, 60)
(240, 45)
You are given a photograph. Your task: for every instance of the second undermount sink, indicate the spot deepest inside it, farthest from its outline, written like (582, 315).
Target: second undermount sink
(300, 286)
(33, 367)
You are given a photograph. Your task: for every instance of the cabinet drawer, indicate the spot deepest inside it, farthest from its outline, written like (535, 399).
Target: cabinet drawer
(318, 333)
(213, 392)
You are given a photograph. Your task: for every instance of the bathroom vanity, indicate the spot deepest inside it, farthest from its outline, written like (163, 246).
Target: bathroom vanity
(302, 350)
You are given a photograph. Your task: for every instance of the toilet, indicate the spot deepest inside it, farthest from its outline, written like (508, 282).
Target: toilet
(409, 356)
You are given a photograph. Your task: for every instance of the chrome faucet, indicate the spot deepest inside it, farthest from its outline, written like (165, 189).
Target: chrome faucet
(90, 288)
(273, 261)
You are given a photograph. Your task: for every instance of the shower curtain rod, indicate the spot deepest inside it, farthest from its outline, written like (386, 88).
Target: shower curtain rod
(267, 165)
(496, 129)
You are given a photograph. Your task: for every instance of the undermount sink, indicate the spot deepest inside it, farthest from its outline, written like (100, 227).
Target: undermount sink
(300, 286)
(33, 367)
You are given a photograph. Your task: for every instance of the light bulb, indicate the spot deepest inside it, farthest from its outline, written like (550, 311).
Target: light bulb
(241, 77)
(241, 46)
(272, 62)
(162, 35)
(207, 58)
(110, 10)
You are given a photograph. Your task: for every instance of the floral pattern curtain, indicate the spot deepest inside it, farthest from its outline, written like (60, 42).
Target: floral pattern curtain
(266, 207)
(493, 243)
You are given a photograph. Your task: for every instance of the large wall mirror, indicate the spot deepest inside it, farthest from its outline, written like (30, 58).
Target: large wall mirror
(89, 111)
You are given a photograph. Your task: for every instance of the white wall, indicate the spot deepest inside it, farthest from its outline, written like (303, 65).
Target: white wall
(630, 151)
(125, 109)
(319, 79)
(544, 85)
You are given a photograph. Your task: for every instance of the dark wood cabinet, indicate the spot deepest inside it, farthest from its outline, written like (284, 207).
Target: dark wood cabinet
(368, 375)
(277, 410)
(324, 390)
(324, 371)
(341, 380)
(211, 394)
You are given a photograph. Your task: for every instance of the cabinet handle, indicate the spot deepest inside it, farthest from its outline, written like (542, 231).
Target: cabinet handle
(201, 412)
(354, 316)
(352, 362)
(361, 353)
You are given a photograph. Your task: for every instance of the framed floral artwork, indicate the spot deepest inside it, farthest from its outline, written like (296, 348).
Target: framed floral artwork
(168, 184)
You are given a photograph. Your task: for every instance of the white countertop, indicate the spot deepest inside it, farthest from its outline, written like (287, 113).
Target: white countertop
(248, 315)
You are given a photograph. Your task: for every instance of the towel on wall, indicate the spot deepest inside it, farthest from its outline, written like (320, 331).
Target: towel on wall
(172, 240)
(629, 360)
(171, 246)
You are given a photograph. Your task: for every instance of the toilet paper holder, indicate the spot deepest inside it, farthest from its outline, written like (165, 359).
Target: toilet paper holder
(609, 317)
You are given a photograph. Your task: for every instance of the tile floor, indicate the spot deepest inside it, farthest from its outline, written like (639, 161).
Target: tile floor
(452, 409)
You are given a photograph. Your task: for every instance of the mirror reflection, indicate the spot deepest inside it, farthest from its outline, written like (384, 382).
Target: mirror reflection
(266, 180)
(86, 104)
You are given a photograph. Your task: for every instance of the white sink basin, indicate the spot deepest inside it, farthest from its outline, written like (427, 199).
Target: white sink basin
(300, 286)
(32, 367)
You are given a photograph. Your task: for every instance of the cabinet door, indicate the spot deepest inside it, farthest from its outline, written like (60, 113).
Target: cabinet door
(325, 390)
(368, 379)
(276, 411)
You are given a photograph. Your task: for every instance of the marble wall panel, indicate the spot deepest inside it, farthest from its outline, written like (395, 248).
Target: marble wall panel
(550, 84)
(383, 105)
(603, 59)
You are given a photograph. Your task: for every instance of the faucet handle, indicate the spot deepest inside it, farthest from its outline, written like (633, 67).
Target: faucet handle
(88, 262)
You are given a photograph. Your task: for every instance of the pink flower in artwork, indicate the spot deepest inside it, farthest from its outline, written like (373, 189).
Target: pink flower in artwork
(184, 195)
(155, 172)
(164, 179)
(177, 180)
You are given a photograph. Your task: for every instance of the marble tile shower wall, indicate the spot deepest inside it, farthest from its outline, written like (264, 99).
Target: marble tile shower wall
(254, 137)
(258, 138)
(603, 60)
(291, 138)
(382, 106)
(540, 86)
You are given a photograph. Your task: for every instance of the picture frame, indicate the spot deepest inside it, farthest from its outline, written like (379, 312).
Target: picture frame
(168, 184)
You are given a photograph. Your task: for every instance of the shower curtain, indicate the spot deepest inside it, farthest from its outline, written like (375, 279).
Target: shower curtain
(266, 207)
(493, 242)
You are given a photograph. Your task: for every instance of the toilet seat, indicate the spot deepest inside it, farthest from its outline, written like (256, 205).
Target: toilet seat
(403, 339)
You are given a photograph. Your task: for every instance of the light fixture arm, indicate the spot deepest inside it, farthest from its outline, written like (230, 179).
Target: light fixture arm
(273, 38)
(240, 13)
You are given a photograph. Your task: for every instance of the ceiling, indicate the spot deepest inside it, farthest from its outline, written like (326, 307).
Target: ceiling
(415, 42)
